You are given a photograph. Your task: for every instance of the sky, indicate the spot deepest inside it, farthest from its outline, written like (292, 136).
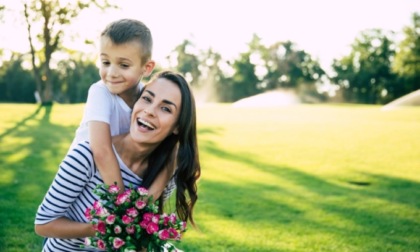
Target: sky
(323, 28)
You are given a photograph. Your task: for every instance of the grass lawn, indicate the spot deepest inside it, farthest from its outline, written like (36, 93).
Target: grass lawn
(302, 178)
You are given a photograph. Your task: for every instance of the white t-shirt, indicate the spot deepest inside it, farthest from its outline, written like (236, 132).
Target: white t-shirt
(103, 106)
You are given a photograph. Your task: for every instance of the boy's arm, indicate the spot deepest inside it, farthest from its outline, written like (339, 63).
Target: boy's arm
(105, 159)
(158, 186)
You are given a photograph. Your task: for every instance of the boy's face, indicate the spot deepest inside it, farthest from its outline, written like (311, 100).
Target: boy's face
(121, 68)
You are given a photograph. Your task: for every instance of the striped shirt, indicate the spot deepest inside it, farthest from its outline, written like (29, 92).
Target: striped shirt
(71, 192)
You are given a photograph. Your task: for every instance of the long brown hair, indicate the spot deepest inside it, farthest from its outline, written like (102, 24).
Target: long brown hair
(188, 165)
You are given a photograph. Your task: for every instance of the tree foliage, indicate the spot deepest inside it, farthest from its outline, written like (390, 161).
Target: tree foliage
(75, 78)
(213, 81)
(244, 80)
(376, 70)
(289, 67)
(407, 58)
(52, 16)
(12, 73)
(187, 62)
(365, 75)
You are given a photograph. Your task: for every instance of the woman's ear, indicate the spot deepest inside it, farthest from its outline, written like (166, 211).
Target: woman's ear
(175, 131)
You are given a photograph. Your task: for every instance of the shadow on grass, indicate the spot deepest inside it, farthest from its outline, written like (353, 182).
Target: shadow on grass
(31, 152)
(21, 123)
(356, 218)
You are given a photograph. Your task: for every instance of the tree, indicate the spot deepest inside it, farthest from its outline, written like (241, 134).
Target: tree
(365, 75)
(11, 73)
(407, 59)
(187, 62)
(76, 75)
(53, 16)
(244, 80)
(213, 82)
(289, 67)
(2, 7)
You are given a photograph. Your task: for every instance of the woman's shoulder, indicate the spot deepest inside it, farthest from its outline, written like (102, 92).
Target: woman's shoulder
(81, 150)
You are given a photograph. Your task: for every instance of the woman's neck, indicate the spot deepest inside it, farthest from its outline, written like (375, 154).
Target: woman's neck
(134, 155)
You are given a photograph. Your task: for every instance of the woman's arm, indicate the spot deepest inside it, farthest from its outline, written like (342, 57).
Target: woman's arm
(105, 159)
(68, 190)
(65, 228)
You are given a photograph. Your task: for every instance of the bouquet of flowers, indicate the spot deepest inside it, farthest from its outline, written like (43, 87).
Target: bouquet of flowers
(129, 222)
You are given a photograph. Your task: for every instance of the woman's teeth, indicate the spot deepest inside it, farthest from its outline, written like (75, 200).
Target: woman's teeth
(145, 124)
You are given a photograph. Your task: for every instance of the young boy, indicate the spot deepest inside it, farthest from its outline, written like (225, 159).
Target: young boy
(125, 57)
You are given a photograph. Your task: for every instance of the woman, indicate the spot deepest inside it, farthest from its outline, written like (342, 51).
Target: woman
(163, 117)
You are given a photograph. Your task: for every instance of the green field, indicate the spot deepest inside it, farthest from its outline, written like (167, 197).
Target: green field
(302, 178)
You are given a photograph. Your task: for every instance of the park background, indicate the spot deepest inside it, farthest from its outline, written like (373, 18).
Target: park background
(298, 152)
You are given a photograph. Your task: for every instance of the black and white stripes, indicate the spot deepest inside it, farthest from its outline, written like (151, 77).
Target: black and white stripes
(71, 192)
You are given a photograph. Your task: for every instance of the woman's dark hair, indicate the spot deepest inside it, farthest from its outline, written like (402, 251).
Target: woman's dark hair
(188, 166)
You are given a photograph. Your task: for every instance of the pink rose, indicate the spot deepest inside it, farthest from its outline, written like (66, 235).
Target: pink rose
(130, 229)
(122, 198)
(88, 241)
(127, 219)
(97, 205)
(174, 234)
(127, 192)
(144, 224)
(113, 189)
(164, 234)
(101, 244)
(100, 227)
(142, 191)
(110, 219)
(117, 243)
(101, 212)
(132, 212)
(183, 225)
(172, 218)
(140, 204)
(165, 219)
(117, 229)
(147, 216)
(155, 218)
(152, 228)
(88, 214)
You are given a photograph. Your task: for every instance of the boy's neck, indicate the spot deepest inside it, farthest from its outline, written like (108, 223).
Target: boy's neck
(130, 96)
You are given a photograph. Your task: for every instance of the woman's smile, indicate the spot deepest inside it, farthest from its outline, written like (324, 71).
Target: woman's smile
(145, 124)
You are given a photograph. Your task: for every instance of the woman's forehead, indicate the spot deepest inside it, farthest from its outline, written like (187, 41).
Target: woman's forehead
(164, 89)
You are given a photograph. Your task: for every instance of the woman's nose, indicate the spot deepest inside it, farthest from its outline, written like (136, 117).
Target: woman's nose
(149, 111)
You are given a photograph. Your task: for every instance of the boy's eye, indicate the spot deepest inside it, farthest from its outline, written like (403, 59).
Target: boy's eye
(124, 65)
(105, 63)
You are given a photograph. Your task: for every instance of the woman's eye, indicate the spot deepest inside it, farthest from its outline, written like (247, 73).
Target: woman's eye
(166, 109)
(146, 98)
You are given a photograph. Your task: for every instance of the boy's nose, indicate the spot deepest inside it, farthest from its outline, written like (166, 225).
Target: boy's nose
(113, 71)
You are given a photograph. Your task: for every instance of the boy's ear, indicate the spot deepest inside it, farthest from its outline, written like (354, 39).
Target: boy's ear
(148, 68)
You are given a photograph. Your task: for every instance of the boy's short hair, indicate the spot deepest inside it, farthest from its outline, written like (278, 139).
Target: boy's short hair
(127, 30)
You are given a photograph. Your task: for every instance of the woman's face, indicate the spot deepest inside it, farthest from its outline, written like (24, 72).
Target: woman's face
(156, 113)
